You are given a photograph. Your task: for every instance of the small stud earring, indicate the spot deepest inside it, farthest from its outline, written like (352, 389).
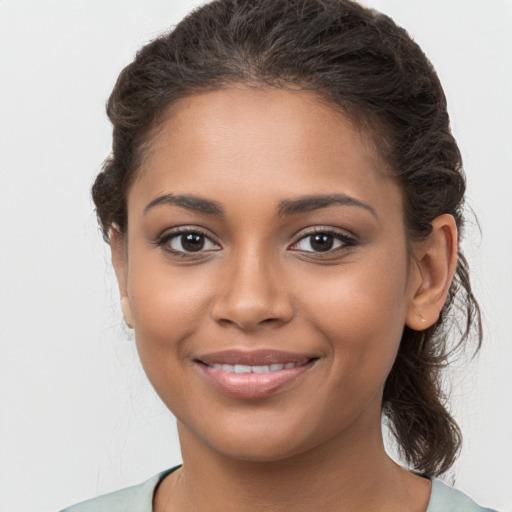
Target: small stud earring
(422, 318)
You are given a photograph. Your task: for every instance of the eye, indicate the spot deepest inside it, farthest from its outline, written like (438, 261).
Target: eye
(323, 241)
(187, 241)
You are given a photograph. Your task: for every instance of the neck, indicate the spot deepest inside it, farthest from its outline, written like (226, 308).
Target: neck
(349, 472)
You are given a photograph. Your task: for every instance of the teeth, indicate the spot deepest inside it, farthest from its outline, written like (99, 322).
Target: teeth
(261, 369)
(244, 368)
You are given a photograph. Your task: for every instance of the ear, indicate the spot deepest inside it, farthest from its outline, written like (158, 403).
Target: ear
(434, 264)
(120, 263)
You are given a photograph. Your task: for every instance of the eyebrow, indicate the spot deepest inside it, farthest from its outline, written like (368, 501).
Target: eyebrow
(315, 202)
(190, 202)
(285, 208)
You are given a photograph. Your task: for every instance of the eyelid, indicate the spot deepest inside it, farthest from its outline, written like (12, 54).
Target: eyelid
(347, 240)
(171, 233)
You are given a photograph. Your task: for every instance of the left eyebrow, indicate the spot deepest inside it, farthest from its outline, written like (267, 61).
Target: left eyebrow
(315, 202)
(190, 202)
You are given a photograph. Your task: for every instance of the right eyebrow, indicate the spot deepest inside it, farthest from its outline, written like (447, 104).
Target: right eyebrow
(190, 202)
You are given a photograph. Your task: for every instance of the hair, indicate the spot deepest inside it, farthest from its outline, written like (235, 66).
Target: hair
(361, 62)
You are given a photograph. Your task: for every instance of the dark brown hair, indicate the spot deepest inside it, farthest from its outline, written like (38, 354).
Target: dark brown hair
(363, 63)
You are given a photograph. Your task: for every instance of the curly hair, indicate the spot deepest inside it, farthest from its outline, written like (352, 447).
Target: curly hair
(361, 62)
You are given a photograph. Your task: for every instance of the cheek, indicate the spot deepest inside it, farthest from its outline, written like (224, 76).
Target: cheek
(361, 310)
(167, 306)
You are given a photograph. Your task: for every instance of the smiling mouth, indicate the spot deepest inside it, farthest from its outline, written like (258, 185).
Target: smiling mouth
(253, 374)
(244, 368)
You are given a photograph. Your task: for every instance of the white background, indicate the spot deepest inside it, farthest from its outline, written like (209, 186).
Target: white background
(77, 417)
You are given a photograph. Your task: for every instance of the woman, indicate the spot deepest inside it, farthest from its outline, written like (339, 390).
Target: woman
(283, 202)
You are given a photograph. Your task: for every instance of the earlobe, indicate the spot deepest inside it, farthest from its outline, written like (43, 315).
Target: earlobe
(120, 264)
(435, 260)
(127, 312)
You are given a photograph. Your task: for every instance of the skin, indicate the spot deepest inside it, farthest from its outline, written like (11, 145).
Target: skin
(259, 283)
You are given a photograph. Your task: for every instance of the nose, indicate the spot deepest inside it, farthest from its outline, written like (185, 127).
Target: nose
(252, 294)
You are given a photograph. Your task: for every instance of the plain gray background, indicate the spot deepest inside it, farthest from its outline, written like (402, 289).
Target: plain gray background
(77, 417)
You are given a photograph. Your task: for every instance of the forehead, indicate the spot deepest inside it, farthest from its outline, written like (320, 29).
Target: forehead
(299, 122)
(268, 142)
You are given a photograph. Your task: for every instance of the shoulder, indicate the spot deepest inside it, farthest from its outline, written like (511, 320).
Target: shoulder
(137, 498)
(447, 499)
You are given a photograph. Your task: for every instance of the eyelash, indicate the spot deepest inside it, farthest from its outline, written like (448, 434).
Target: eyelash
(346, 241)
(179, 232)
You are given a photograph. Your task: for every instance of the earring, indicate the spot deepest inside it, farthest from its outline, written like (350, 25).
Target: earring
(423, 320)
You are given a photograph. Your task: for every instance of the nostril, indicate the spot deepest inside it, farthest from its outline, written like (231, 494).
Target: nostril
(249, 311)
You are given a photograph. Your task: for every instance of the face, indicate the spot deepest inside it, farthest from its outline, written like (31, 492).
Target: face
(265, 272)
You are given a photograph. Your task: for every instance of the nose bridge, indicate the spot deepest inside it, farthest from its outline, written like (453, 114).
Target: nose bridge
(252, 291)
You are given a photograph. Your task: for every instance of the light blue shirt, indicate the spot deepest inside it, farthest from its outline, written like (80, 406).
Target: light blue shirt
(139, 498)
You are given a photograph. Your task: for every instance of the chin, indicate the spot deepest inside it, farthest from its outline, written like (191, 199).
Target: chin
(260, 438)
(255, 451)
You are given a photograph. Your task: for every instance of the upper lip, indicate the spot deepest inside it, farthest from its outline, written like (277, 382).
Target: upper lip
(254, 357)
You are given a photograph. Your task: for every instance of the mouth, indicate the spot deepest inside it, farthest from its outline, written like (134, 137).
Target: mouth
(264, 368)
(253, 374)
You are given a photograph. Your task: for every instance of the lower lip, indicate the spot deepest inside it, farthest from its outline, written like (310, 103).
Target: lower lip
(253, 385)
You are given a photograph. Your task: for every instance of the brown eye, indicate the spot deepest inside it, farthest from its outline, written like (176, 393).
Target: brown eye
(319, 242)
(192, 242)
(187, 242)
(324, 241)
